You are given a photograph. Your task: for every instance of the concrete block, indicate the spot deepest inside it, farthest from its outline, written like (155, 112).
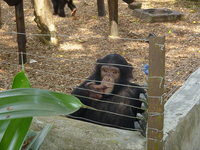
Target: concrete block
(157, 15)
(70, 134)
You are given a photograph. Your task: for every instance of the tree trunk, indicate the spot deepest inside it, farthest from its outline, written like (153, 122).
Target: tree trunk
(113, 17)
(101, 8)
(21, 38)
(44, 20)
(0, 16)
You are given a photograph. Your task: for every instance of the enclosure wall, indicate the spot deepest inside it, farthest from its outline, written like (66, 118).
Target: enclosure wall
(182, 116)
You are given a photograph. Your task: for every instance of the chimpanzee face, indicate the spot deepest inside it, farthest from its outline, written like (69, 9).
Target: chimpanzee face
(109, 76)
(112, 72)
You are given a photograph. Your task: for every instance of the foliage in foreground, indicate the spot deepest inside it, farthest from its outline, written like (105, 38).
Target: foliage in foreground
(20, 104)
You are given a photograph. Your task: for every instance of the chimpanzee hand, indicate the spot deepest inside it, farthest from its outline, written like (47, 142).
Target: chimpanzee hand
(96, 87)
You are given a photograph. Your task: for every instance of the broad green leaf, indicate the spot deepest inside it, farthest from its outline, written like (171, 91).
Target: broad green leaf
(21, 81)
(28, 102)
(38, 140)
(15, 134)
(3, 126)
(16, 130)
(22, 103)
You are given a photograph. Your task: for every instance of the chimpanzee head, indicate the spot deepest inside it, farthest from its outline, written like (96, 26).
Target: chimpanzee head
(113, 68)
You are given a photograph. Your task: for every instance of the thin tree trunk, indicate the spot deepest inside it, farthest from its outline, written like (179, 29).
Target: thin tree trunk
(101, 8)
(21, 38)
(0, 16)
(44, 20)
(113, 17)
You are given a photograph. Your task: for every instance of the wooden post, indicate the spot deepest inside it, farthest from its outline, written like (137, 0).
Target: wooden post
(155, 93)
(101, 8)
(21, 37)
(0, 16)
(113, 17)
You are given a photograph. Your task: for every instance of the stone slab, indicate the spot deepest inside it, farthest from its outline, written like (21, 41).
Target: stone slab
(70, 134)
(157, 15)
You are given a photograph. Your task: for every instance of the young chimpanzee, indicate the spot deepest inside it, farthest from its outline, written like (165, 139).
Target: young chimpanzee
(110, 92)
(59, 5)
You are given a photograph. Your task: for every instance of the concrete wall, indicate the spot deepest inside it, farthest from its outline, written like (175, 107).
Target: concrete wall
(182, 116)
(181, 127)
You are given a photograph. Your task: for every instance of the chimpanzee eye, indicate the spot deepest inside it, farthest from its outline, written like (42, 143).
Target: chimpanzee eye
(115, 72)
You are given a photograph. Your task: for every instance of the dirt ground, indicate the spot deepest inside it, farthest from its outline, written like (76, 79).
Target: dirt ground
(84, 40)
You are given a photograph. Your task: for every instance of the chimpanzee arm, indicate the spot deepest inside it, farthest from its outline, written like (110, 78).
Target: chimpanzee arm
(82, 92)
(132, 94)
(136, 94)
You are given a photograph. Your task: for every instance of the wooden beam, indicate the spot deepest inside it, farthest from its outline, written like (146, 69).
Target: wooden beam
(101, 8)
(113, 17)
(21, 37)
(0, 16)
(155, 93)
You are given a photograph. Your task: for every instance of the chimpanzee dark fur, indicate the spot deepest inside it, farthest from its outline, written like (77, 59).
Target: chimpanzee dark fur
(59, 5)
(122, 95)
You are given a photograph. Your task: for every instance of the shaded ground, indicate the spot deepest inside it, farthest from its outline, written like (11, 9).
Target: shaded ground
(63, 67)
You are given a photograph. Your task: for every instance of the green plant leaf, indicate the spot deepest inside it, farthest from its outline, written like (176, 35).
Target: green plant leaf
(21, 81)
(28, 102)
(15, 134)
(38, 140)
(3, 126)
(16, 129)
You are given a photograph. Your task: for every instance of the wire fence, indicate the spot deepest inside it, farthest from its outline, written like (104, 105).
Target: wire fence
(139, 126)
(102, 101)
(68, 77)
(171, 77)
(140, 119)
(177, 76)
(71, 37)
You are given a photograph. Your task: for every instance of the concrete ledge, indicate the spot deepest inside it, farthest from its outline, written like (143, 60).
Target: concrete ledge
(182, 116)
(69, 134)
